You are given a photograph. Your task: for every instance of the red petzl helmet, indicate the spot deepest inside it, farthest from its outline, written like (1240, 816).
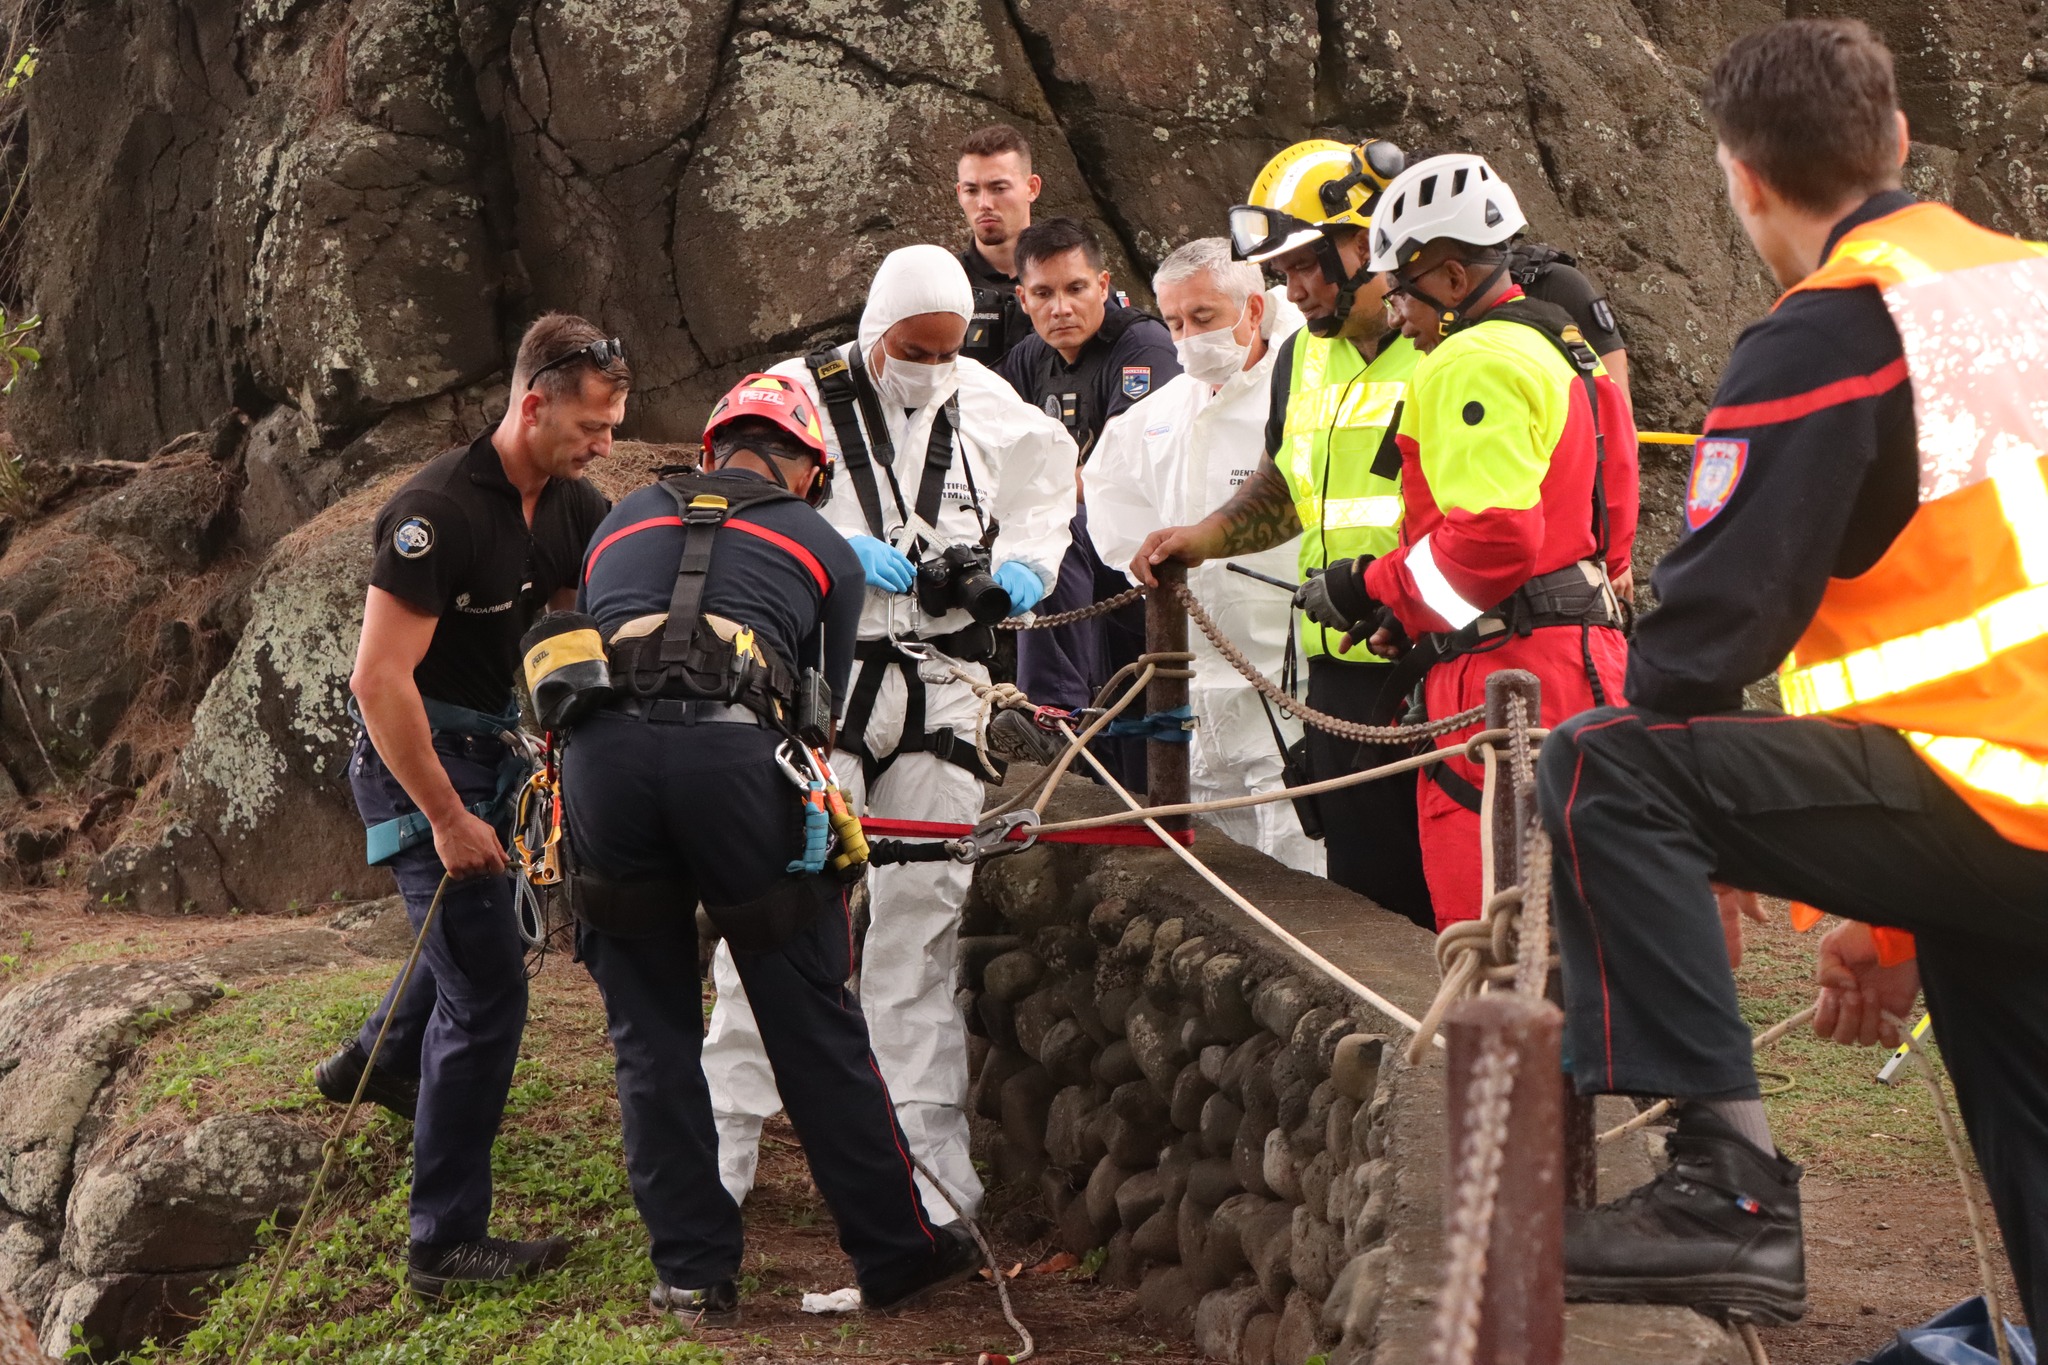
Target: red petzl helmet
(779, 400)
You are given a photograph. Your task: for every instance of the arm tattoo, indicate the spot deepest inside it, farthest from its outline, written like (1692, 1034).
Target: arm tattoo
(1260, 514)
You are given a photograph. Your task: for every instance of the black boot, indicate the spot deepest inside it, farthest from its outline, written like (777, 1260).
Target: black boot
(1718, 1230)
(955, 1259)
(718, 1306)
(1012, 735)
(431, 1270)
(336, 1080)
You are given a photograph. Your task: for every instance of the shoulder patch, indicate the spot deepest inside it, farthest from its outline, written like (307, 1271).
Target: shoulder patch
(1604, 315)
(1717, 465)
(1137, 381)
(413, 538)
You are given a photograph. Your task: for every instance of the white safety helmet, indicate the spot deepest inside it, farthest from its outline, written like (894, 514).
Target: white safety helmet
(1456, 196)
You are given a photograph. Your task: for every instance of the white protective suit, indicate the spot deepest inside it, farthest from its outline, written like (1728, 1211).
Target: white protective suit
(1022, 467)
(1170, 460)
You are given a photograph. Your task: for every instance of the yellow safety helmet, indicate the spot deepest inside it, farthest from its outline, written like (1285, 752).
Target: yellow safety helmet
(1307, 188)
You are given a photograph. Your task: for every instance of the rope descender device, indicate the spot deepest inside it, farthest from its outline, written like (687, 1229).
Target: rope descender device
(992, 838)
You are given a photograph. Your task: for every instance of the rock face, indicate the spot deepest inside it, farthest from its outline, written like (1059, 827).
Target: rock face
(350, 207)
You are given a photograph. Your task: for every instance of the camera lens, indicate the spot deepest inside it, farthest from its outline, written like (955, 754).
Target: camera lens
(985, 599)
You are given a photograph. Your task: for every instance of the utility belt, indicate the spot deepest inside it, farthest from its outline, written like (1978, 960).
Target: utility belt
(1576, 595)
(724, 662)
(876, 658)
(389, 838)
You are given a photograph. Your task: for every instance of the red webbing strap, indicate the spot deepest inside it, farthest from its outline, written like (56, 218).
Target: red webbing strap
(1126, 835)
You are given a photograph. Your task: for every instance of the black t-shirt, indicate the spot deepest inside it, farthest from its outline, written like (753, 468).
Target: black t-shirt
(453, 542)
(778, 567)
(1129, 356)
(1812, 472)
(999, 321)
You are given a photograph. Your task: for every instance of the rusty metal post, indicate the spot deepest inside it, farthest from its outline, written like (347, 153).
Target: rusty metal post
(1166, 632)
(1521, 1313)
(1512, 818)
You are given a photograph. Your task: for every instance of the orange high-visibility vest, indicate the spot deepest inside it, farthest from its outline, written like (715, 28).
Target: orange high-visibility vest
(1945, 638)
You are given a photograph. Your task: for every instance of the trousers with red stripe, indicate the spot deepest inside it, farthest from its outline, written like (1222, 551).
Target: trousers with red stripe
(1644, 809)
(1565, 659)
(706, 804)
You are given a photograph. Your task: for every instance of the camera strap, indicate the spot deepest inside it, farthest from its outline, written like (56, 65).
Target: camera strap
(938, 462)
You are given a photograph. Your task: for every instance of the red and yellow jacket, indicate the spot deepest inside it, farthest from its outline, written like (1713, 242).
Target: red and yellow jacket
(1497, 470)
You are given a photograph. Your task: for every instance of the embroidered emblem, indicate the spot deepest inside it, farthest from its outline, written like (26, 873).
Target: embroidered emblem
(1604, 315)
(1717, 464)
(1137, 380)
(414, 537)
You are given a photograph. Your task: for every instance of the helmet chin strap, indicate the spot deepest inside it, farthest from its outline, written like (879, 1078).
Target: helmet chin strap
(1331, 262)
(1450, 317)
(775, 473)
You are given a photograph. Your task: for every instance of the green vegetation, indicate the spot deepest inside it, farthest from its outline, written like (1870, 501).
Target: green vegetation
(559, 1167)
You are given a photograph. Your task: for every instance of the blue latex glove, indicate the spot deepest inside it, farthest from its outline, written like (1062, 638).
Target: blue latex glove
(884, 566)
(1022, 582)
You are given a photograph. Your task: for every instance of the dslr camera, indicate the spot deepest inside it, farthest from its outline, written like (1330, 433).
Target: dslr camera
(958, 576)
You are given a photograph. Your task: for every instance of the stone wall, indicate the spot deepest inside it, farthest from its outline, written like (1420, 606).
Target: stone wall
(1239, 1140)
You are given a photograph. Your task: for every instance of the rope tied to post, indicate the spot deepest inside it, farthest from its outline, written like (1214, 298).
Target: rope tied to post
(1475, 1192)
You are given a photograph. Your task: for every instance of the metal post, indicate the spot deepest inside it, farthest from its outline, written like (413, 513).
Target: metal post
(1166, 632)
(1512, 818)
(1521, 1313)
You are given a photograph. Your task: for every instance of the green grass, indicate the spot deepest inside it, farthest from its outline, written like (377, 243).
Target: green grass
(558, 1167)
(1836, 1118)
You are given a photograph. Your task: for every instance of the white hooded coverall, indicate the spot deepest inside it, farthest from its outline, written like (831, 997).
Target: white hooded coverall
(1170, 460)
(1023, 473)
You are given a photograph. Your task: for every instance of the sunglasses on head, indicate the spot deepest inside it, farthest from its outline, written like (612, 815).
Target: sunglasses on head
(604, 354)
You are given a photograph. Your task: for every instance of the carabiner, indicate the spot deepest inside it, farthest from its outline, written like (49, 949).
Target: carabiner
(785, 758)
(991, 838)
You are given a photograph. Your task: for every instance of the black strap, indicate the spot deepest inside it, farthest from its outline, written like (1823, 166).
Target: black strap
(840, 392)
(876, 658)
(1386, 461)
(938, 462)
(702, 516)
(1557, 325)
(1455, 787)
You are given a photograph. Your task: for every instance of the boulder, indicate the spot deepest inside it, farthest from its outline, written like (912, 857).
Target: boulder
(1315, 1253)
(1013, 975)
(1168, 1298)
(1025, 888)
(1355, 1066)
(1114, 1006)
(1138, 1198)
(1155, 1042)
(1218, 1124)
(1353, 1306)
(191, 1199)
(1068, 1053)
(1314, 1041)
(1116, 1064)
(1073, 1130)
(1139, 1125)
(1109, 920)
(1026, 1102)
(1300, 1332)
(120, 1312)
(1279, 1003)
(1103, 1183)
(1158, 1237)
(1257, 1346)
(1282, 1173)
(1036, 1015)
(60, 1038)
(1211, 1181)
(1221, 1319)
(1222, 992)
(979, 951)
(1191, 1092)
(18, 1345)
(1316, 1178)
(986, 1096)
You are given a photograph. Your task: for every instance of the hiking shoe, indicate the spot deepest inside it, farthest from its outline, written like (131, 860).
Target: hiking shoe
(1014, 738)
(432, 1270)
(718, 1306)
(1718, 1230)
(956, 1258)
(336, 1080)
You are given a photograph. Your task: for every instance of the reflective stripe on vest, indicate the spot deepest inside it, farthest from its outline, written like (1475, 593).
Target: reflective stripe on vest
(1945, 638)
(1335, 397)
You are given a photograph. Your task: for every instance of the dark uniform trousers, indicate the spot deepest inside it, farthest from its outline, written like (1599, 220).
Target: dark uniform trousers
(1642, 809)
(1369, 831)
(652, 799)
(459, 1025)
(1064, 665)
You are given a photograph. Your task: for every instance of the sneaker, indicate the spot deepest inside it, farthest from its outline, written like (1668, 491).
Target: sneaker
(489, 1260)
(718, 1306)
(336, 1080)
(1014, 738)
(1717, 1230)
(956, 1258)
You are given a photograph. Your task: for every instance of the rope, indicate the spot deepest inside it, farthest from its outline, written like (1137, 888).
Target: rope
(1509, 944)
(1258, 916)
(1663, 1107)
(1487, 1097)
(995, 1272)
(1752, 1343)
(333, 1144)
(1979, 1242)
(1301, 711)
(1062, 618)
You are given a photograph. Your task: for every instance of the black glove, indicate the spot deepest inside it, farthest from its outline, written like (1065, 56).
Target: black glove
(1336, 597)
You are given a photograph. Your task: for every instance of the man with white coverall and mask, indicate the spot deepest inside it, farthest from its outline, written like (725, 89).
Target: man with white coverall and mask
(938, 455)
(1179, 451)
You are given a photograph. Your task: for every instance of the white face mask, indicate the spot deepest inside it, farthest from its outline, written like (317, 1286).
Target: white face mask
(909, 384)
(1211, 357)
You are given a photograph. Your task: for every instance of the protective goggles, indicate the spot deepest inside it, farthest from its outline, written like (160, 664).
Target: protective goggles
(603, 354)
(1259, 234)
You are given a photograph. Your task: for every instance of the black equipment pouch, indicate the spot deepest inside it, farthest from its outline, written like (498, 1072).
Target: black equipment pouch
(630, 909)
(767, 922)
(813, 708)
